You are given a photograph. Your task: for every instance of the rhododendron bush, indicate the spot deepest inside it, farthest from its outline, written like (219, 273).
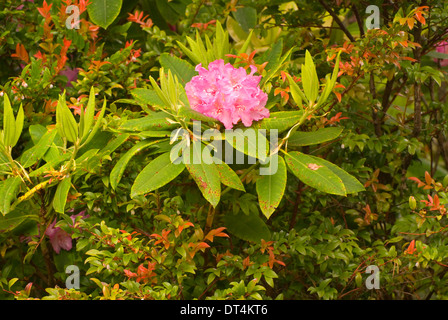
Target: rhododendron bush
(224, 150)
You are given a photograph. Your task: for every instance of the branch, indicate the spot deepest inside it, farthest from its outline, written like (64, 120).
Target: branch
(337, 20)
(358, 20)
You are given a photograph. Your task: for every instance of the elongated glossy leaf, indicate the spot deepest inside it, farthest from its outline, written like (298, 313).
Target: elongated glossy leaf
(65, 121)
(297, 93)
(37, 131)
(188, 113)
(155, 134)
(221, 42)
(352, 185)
(309, 172)
(9, 122)
(271, 187)
(89, 114)
(147, 97)
(113, 144)
(247, 227)
(51, 164)
(183, 70)
(205, 175)
(153, 121)
(229, 177)
(275, 68)
(192, 54)
(300, 138)
(248, 141)
(86, 139)
(156, 174)
(19, 126)
(104, 12)
(8, 191)
(272, 57)
(37, 152)
(14, 219)
(60, 197)
(309, 78)
(282, 121)
(117, 171)
(331, 81)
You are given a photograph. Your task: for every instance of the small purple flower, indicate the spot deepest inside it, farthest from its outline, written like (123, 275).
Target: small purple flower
(71, 74)
(59, 238)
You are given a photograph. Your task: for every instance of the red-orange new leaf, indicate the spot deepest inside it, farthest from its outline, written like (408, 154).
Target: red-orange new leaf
(162, 238)
(21, 53)
(45, 10)
(411, 248)
(216, 233)
(434, 203)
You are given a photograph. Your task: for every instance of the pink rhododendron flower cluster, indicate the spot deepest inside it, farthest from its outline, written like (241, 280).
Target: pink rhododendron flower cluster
(227, 94)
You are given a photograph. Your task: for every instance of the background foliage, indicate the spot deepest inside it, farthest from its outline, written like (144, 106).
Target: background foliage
(81, 125)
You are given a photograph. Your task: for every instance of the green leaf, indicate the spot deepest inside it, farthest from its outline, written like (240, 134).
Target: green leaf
(192, 54)
(183, 70)
(351, 184)
(310, 80)
(321, 178)
(104, 12)
(330, 83)
(171, 10)
(147, 97)
(190, 114)
(153, 121)
(275, 68)
(229, 177)
(19, 126)
(60, 197)
(156, 174)
(92, 133)
(272, 57)
(9, 123)
(281, 120)
(297, 94)
(246, 17)
(65, 121)
(247, 227)
(300, 138)
(221, 42)
(117, 171)
(89, 113)
(37, 152)
(8, 191)
(155, 134)
(247, 141)
(271, 187)
(14, 219)
(205, 175)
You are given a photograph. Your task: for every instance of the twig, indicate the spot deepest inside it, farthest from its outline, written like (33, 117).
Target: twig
(337, 20)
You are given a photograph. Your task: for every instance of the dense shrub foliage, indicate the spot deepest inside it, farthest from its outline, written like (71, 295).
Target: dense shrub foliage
(99, 100)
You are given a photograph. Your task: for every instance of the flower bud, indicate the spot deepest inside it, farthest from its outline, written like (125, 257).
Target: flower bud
(412, 203)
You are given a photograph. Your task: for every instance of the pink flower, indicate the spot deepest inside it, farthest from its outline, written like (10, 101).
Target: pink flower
(442, 47)
(227, 94)
(59, 238)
